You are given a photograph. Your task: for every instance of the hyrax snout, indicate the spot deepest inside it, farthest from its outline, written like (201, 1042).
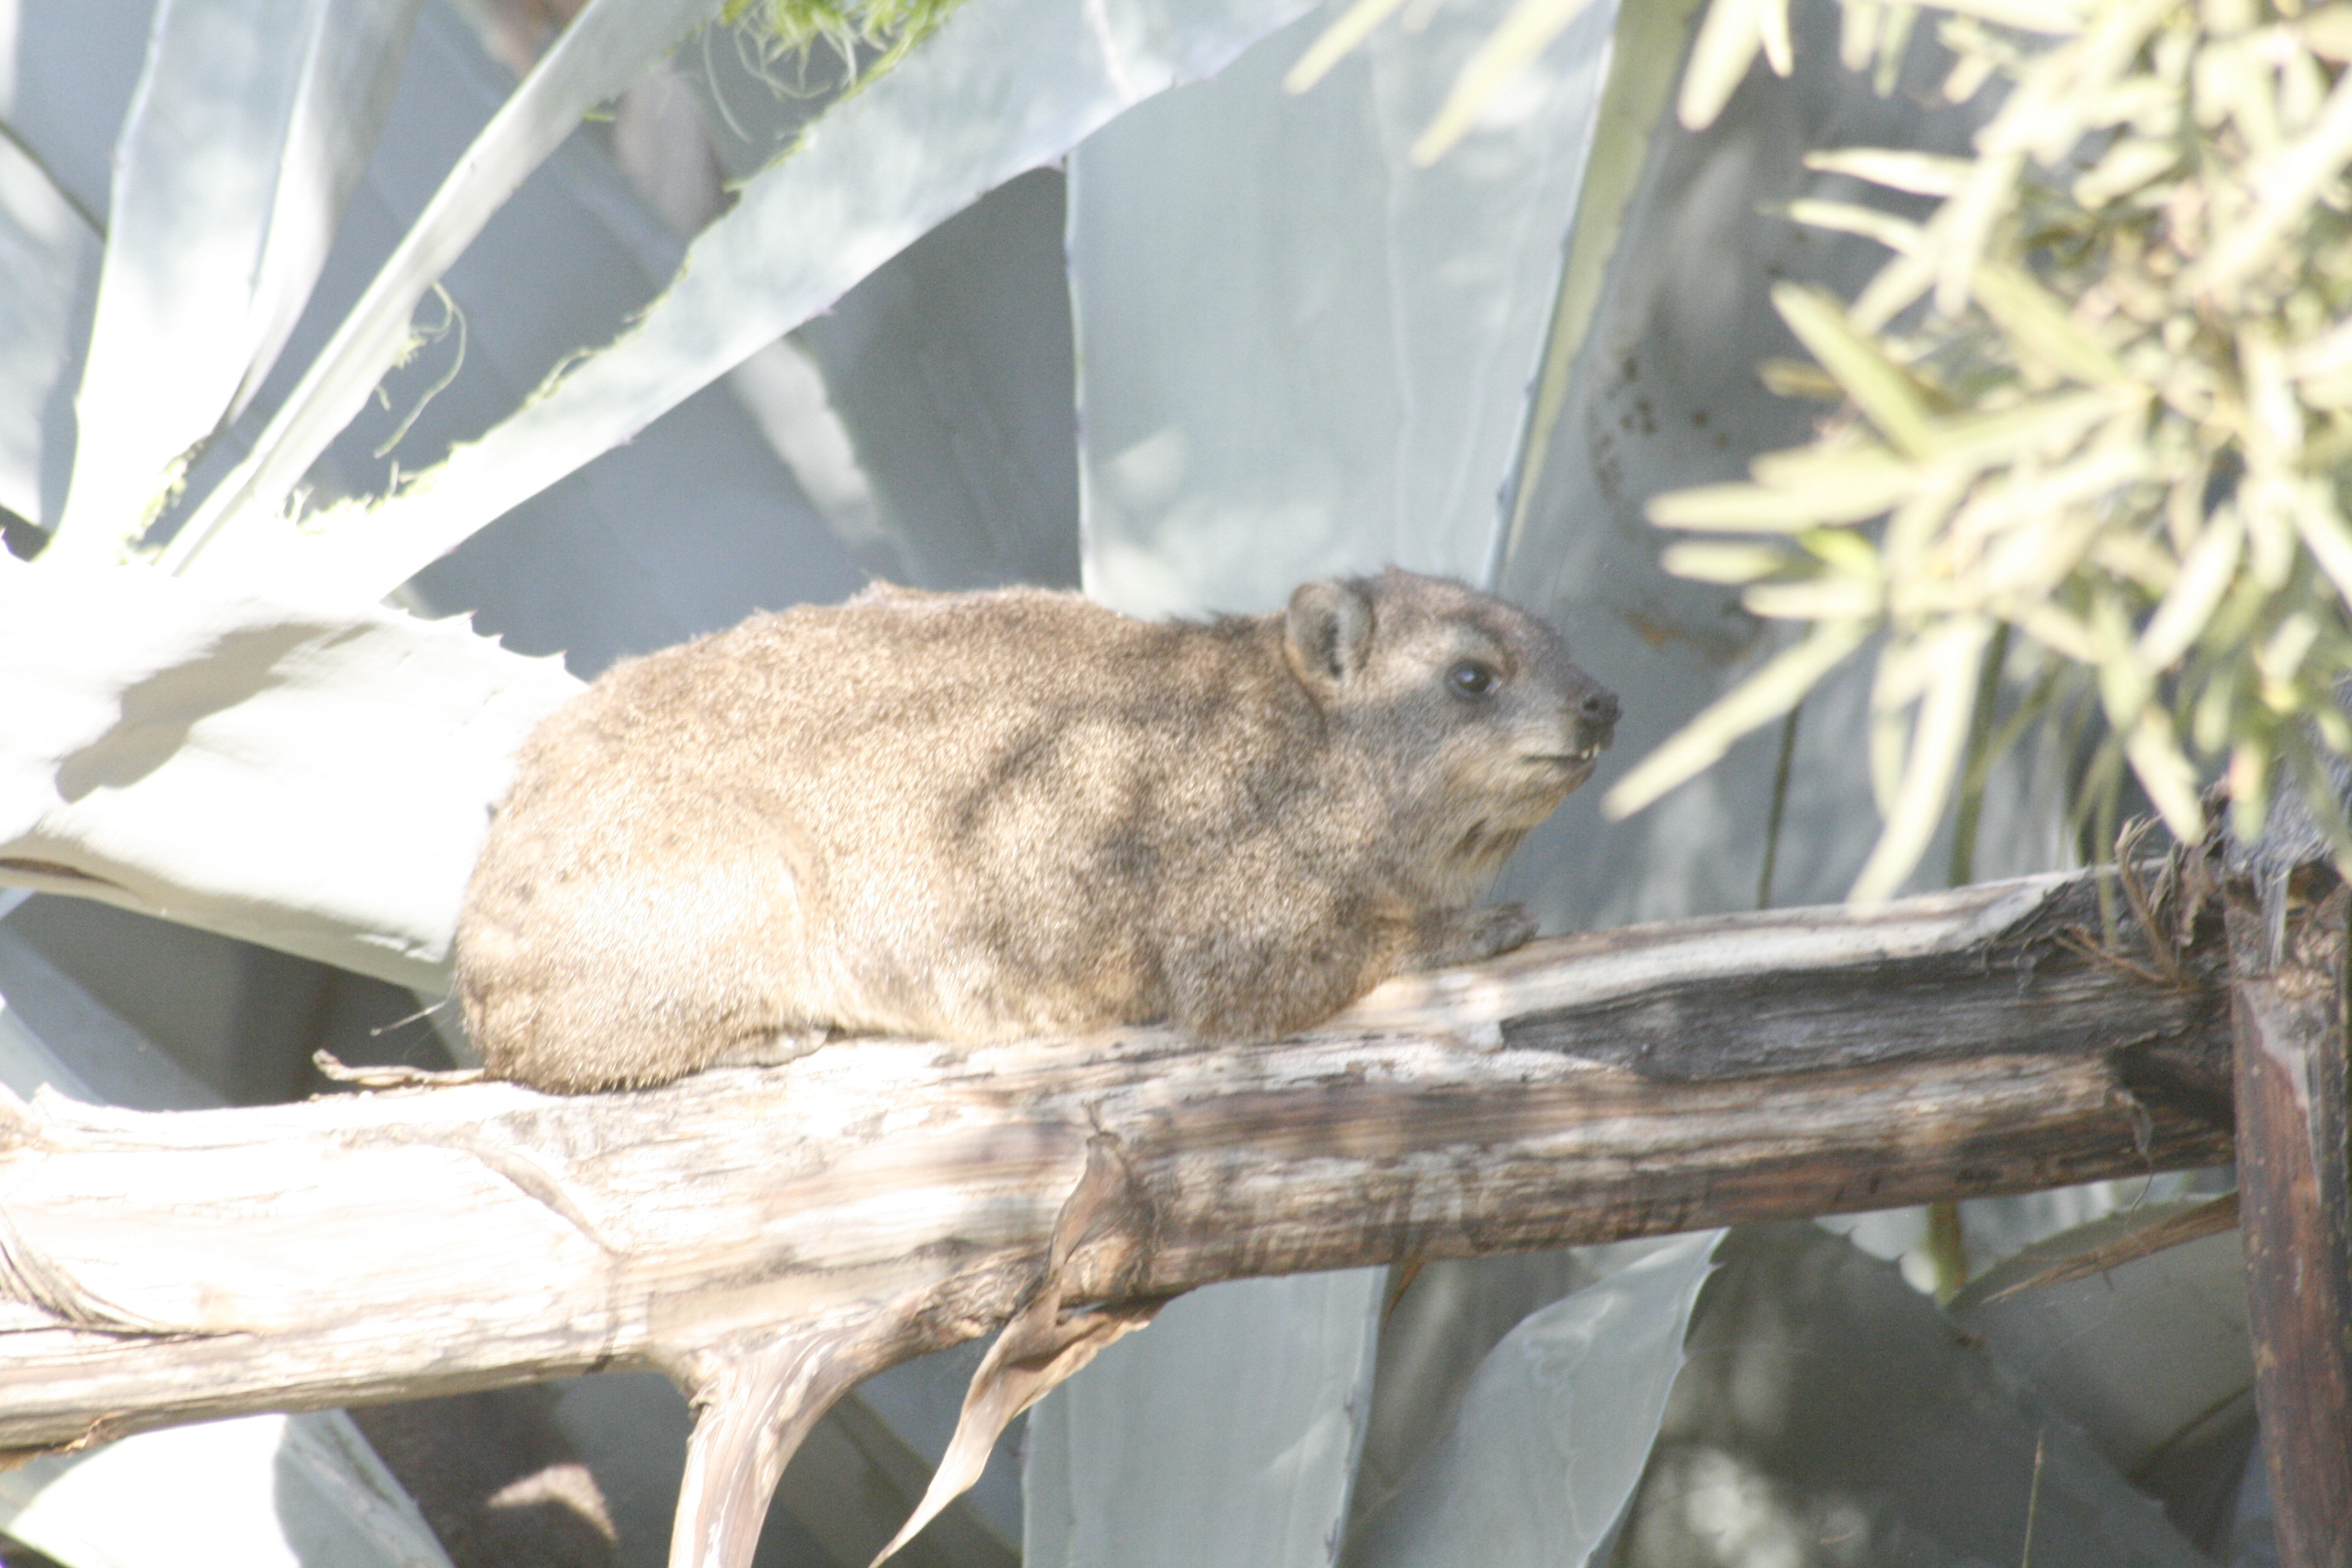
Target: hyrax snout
(975, 816)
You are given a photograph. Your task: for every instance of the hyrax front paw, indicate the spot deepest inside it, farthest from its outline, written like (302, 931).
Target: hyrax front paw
(1466, 936)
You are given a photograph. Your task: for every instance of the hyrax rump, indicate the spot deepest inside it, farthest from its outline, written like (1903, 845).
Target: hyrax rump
(976, 816)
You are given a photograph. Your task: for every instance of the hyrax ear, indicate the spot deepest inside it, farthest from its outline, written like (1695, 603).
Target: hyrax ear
(1330, 631)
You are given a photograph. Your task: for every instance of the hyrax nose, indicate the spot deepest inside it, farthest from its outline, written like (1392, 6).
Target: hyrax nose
(1596, 716)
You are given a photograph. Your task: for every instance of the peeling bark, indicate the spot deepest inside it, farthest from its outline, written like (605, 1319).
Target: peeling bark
(881, 1198)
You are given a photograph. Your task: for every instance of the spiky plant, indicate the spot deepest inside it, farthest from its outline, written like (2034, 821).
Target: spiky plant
(2097, 415)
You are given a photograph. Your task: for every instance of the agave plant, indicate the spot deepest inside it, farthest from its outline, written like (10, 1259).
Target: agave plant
(1300, 336)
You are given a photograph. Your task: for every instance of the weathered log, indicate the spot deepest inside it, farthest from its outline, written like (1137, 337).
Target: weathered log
(880, 1198)
(2286, 940)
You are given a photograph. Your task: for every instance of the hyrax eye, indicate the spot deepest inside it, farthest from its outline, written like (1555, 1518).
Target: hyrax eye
(1473, 677)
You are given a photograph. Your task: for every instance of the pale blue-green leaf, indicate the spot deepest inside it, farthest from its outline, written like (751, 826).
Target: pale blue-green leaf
(1645, 49)
(1350, 29)
(261, 1491)
(256, 1493)
(1828, 1413)
(50, 255)
(1002, 86)
(1553, 1431)
(1225, 1433)
(604, 49)
(251, 124)
(1298, 354)
(312, 777)
(2087, 1343)
(1514, 43)
(54, 1032)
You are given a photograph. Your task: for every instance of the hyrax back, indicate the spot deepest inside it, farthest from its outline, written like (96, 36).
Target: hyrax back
(977, 816)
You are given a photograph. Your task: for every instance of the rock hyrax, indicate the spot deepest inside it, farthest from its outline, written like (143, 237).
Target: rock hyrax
(976, 816)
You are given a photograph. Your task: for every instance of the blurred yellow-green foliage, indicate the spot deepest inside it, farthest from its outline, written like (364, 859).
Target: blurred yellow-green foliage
(2095, 416)
(856, 30)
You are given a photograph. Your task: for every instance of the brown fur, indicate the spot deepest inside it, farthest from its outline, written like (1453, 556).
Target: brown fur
(978, 817)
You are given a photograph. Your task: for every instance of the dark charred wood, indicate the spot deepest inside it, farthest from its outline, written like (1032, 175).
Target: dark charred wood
(2286, 941)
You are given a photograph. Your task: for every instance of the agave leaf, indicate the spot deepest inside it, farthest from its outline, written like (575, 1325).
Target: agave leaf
(604, 49)
(1525, 33)
(340, 758)
(1352, 26)
(1551, 1436)
(249, 128)
(1226, 1435)
(1763, 696)
(1827, 1404)
(255, 1489)
(1232, 441)
(50, 255)
(1645, 48)
(872, 176)
(1884, 390)
(2087, 1338)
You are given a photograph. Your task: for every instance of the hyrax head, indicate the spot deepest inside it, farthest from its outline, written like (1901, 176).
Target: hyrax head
(1467, 707)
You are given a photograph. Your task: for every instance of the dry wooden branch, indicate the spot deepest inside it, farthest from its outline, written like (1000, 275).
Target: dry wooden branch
(2286, 941)
(770, 1237)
